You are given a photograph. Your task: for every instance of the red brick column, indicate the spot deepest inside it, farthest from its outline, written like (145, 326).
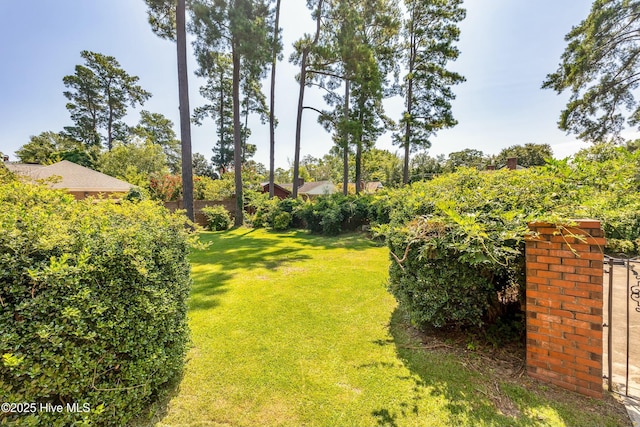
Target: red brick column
(564, 300)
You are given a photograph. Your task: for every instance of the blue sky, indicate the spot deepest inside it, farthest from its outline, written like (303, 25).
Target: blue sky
(508, 47)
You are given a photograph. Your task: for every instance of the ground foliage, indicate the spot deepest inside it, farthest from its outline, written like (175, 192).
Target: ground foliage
(93, 299)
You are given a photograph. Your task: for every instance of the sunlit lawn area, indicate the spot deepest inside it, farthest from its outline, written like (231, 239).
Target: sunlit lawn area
(293, 329)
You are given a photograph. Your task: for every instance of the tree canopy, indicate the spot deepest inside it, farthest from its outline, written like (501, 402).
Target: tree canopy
(134, 162)
(158, 129)
(50, 147)
(528, 154)
(99, 93)
(599, 67)
(431, 30)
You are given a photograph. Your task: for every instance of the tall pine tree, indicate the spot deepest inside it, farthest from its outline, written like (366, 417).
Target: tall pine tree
(168, 20)
(241, 28)
(430, 32)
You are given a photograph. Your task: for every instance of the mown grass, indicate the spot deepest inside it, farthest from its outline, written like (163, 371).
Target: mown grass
(291, 329)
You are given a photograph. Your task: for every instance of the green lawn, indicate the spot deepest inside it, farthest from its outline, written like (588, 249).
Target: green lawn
(292, 329)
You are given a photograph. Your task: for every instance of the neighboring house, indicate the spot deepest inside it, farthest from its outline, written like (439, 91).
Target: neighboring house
(311, 189)
(78, 180)
(317, 188)
(278, 191)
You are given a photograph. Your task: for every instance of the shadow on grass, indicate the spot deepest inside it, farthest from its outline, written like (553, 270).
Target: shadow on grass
(434, 376)
(240, 250)
(476, 393)
(159, 407)
(356, 241)
(206, 289)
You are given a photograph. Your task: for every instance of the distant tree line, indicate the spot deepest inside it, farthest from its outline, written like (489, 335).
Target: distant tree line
(360, 53)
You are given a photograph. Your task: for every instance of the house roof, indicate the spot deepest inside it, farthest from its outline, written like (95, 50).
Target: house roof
(373, 186)
(316, 188)
(265, 187)
(74, 177)
(518, 167)
(23, 169)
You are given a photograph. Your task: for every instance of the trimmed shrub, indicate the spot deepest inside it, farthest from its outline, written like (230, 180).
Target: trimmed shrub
(282, 221)
(274, 213)
(218, 218)
(93, 298)
(457, 243)
(443, 275)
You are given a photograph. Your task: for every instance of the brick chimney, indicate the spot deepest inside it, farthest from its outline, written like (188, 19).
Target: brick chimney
(300, 182)
(512, 163)
(491, 167)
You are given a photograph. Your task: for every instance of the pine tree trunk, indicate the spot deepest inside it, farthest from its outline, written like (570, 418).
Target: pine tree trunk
(359, 141)
(272, 121)
(223, 158)
(237, 138)
(110, 130)
(303, 78)
(185, 114)
(407, 133)
(345, 153)
(296, 158)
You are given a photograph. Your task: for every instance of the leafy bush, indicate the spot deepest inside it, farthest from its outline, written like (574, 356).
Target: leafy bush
(444, 273)
(135, 194)
(356, 211)
(380, 208)
(323, 215)
(282, 221)
(165, 188)
(93, 302)
(608, 184)
(217, 218)
(274, 213)
(335, 213)
(5, 174)
(457, 242)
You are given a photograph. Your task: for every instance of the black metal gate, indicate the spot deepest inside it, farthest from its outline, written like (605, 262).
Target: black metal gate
(622, 323)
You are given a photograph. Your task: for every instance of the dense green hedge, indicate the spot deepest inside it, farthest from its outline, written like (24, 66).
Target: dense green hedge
(93, 305)
(456, 242)
(327, 214)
